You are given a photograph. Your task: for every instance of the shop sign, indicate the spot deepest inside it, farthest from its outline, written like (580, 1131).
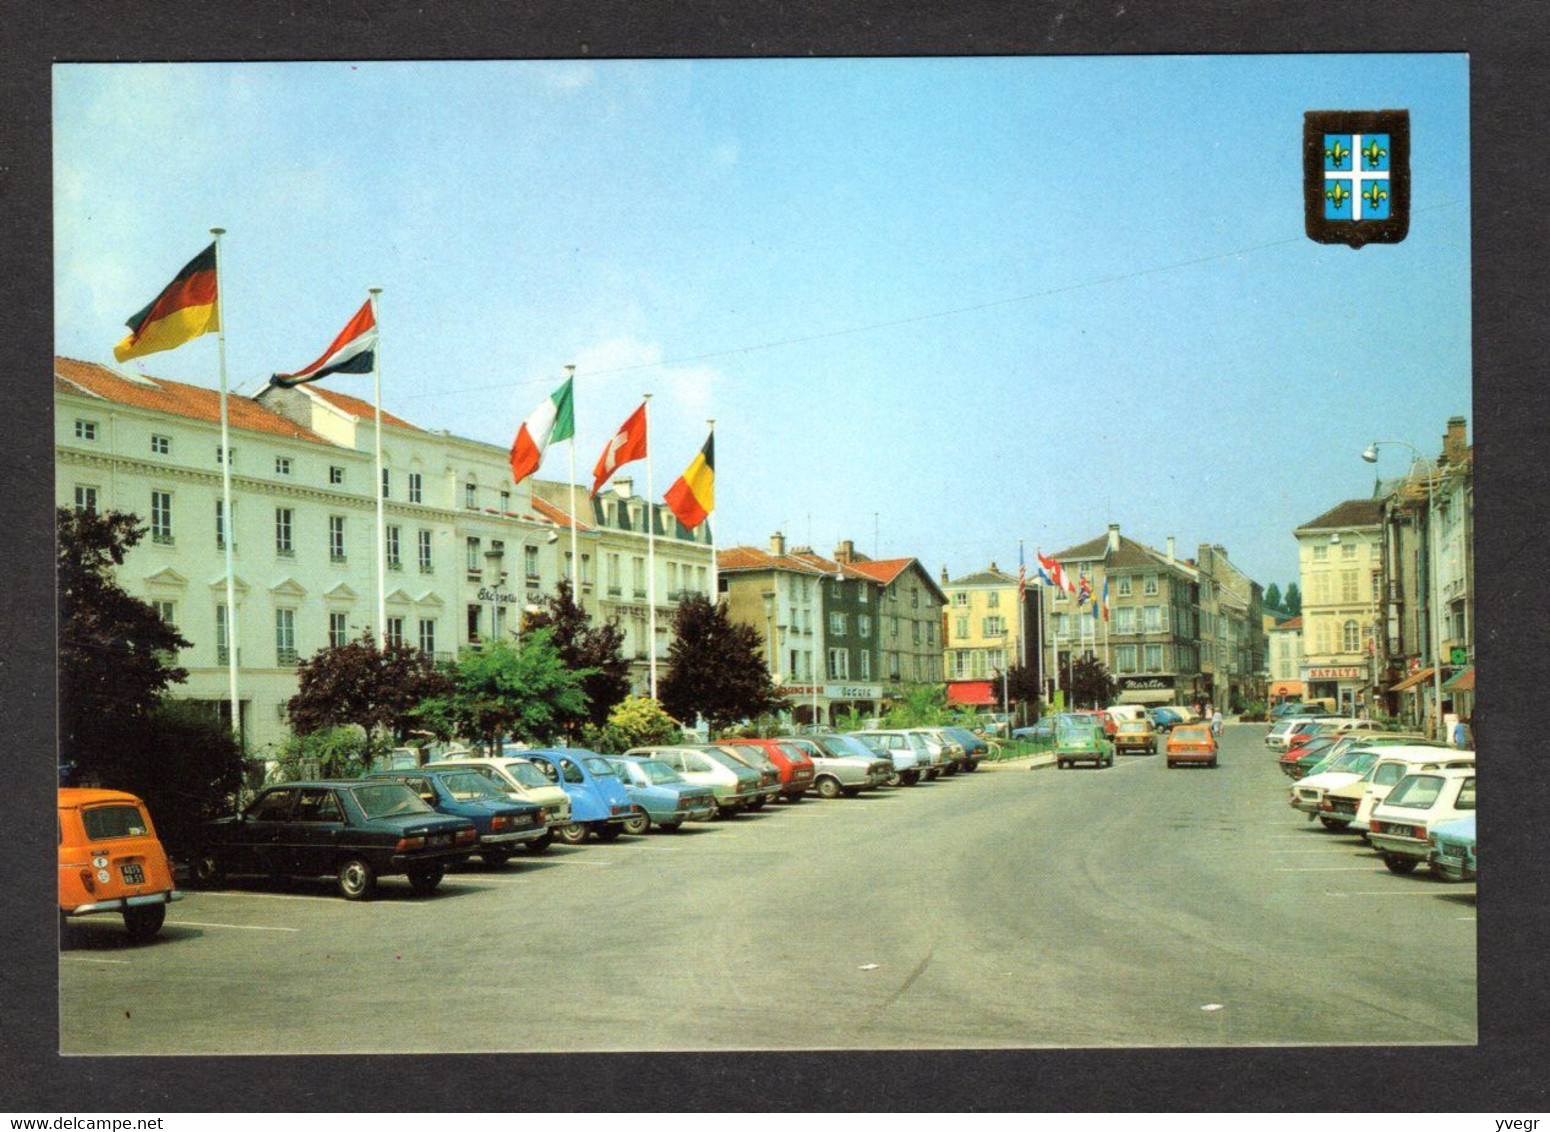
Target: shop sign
(1335, 673)
(490, 595)
(834, 691)
(1145, 683)
(1458, 657)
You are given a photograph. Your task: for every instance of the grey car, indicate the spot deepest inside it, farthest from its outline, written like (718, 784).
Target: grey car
(838, 769)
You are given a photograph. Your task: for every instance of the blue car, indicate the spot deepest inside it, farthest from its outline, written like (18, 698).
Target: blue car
(1452, 850)
(1165, 719)
(502, 823)
(599, 803)
(661, 793)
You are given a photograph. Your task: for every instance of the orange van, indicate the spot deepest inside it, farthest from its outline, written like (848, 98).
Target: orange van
(110, 861)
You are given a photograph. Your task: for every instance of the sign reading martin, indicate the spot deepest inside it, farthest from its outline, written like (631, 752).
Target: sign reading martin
(1356, 176)
(1145, 683)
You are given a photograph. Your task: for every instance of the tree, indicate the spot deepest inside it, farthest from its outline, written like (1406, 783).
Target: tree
(918, 705)
(1291, 604)
(523, 690)
(1273, 598)
(377, 689)
(1091, 682)
(341, 751)
(715, 668)
(849, 719)
(584, 646)
(1022, 688)
(637, 721)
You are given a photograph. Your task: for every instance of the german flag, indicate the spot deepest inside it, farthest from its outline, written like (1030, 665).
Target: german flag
(693, 495)
(186, 308)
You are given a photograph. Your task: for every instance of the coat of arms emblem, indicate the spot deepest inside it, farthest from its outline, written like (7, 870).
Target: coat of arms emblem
(1356, 176)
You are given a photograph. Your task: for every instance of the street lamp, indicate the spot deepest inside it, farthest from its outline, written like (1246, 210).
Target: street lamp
(1370, 454)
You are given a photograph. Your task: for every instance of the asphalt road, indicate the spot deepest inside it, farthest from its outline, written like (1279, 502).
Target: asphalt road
(1127, 906)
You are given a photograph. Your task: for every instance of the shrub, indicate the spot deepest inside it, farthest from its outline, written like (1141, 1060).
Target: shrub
(343, 751)
(637, 721)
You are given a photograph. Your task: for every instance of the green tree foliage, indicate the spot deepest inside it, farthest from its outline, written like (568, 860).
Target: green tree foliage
(1291, 604)
(918, 705)
(340, 751)
(1091, 684)
(715, 668)
(849, 719)
(1022, 689)
(637, 721)
(522, 690)
(586, 647)
(1272, 600)
(376, 689)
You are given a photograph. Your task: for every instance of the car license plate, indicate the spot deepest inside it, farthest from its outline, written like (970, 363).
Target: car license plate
(133, 874)
(438, 839)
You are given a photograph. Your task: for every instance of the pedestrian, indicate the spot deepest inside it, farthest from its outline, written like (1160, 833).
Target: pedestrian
(1459, 734)
(1216, 722)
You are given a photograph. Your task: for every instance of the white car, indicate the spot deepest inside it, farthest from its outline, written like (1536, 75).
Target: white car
(1396, 762)
(894, 746)
(1279, 737)
(1353, 765)
(1401, 824)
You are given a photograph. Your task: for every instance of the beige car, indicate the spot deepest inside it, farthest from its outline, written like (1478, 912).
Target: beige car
(521, 780)
(1396, 763)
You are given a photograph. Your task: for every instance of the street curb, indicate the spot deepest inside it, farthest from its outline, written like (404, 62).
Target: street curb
(1024, 762)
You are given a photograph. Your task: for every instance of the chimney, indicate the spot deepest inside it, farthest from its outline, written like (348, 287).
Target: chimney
(993, 569)
(845, 552)
(1456, 440)
(777, 544)
(624, 487)
(944, 573)
(1171, 558)
(1113, 538)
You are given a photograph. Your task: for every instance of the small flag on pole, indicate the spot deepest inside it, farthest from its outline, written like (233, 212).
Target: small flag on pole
(1052, 571)
(627, 446)
(693, 495)
(186, 308)
(353, 351)
(550, 423)
(1105, 597)
(1022, 577)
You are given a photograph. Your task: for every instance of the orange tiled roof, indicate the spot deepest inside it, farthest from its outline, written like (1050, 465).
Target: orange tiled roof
(358, 408)
(175, 398)
(752, 558)
(882, 570)
(1293, 623)
(551, 512)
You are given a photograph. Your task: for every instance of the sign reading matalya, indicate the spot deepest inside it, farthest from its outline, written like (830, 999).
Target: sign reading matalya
(1334, 673)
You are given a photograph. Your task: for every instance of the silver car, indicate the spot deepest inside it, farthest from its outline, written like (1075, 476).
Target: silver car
(896, 747)
(838, 769)
(734, 784)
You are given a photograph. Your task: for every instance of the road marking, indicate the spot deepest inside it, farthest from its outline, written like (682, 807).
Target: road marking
(1392, 892)
(1471, 919)
(1332, 869)
(262, 895)
(238, 927)
(89, 959)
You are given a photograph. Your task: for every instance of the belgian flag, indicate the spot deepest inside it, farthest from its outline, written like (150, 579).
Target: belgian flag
(693, 495)
(186, 308)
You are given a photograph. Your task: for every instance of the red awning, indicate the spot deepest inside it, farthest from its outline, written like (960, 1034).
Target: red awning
(1413, 680)
(976, 692)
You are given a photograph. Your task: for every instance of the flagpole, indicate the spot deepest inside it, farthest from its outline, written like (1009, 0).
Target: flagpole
(376, 381)
(228, 516)
(715, 569)
(651, 553)
(575, 553)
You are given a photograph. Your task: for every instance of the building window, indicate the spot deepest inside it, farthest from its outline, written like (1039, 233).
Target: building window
(167, 612)
(285, 637)
(836, 624)
(893, 666)
(86, 499)
(473, 623)
(394, 561)
(1122, 587)
(893, 626)
(1125, 658)
(893, 593)
(915, 632)
(470, 495)
(839, 664)
(416, 484)
(472, 562)
(426, 565)
(1151, 619)
(993, 599)
(505, 501)
(85, 430)
(282, 465)
(1061, 594)
(586, 569)
(393, 636)
(222, 637)
(221, 525)
(1348, 586)
(1320, 553)
(1348, 549)
(161, 517)
(863, 594)
(387, 483)
(914, 599)
(336, 538)
(220, 456)
(161, 445)
(961, 599)
(638, 573)
(961, 627)
(863, 626)
(428, 636)
(283, 546)
(338, 630)
(1153, 656)
(335, 474)
(530, 562)
(864, 668)
(1351, 634)
(1149, 585)
(994, 626)
(614, 582)
(1125, 620)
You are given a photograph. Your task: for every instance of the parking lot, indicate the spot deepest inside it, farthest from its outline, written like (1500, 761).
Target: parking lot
(1129, 906)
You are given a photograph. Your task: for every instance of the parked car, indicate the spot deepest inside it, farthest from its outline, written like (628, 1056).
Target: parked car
(1072, 738)
(732, 783)
(661, 794)
(110, 860)
(1135, 737)
(1401, 824)
(838, 769)
(1166, 718)
(909, 764)
(1452, 853)
(599, 804)
(356, 831)
(930, 757)
(1297, 760)
(520, 780)
(1191, 743)
(965, 750)
(1307, 796)
(789, 774)
(1396, 762)
(503, 824)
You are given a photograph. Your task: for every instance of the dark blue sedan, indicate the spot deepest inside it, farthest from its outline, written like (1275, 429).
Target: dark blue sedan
(503, 824)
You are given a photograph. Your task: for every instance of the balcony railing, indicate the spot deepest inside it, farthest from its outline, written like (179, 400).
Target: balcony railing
(395, 564)
(338, 558)
(285, 551)
(614, 591)
(285, 658)
(640, 594)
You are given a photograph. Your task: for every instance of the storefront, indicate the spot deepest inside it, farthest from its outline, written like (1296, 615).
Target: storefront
(1347, 686)
(972, 693)
(1149, 690)
(1286, 691)
(828, 700)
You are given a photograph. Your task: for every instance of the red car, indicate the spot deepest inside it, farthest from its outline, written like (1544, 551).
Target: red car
(796, 769)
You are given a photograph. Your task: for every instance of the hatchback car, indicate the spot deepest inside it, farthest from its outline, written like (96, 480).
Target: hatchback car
(661, 795)
(1191, 744)
(110, 860)
(503, 825)
(1135, 737)
(1341, 770)
(909, 764)
(755, 753)
(599, 804)
(1166, 718)
(356, 831)
(1398, 760)
(521, 781)
(793, 765)
(1072, 739)
(840, 767)
(1400, 826)
(732, 783)
(1452, 854)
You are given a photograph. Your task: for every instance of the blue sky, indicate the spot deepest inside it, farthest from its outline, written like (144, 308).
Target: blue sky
(635, 217)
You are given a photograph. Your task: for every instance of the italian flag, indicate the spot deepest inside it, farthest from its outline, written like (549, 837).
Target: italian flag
(553, 420)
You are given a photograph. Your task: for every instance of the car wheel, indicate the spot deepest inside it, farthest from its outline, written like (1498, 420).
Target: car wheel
(895, 778)
(1401, 865)
(1213, 764)
(850, 791)
(1171, 764)
(793, 799)
(539, 844)
(495, 858)
(1331, 823)
(573, 834)
(357, 879)
(670, 826)
(205, 871)
(607, 832)
(755, 807)
(424, 879)
(931, 774)
(828, 788)
(143, 923)
(911, 777)
(637, 824)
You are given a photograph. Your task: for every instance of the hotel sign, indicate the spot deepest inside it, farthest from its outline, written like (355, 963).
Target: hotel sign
(1334, 673)
(834, 691)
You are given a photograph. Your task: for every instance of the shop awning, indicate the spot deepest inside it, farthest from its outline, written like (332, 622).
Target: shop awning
(1412, 680)
(1146, 696)
(1287, 688)
(976, 692)
(1462, 682)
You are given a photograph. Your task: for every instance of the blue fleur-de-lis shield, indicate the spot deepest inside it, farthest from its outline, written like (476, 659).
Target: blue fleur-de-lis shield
(1356, 176)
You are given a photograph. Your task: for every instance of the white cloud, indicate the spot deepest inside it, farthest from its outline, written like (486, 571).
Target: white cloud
(683, 396)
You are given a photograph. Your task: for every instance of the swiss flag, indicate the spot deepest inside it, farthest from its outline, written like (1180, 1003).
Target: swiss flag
(627, 445)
